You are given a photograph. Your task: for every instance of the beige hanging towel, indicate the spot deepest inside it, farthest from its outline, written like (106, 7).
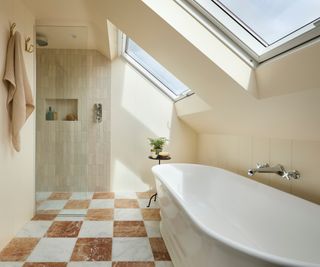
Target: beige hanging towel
(19, 102)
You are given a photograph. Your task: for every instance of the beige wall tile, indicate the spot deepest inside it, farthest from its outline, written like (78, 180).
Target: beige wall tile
(260, 154)
(64, 148)
(238, 156)
(281, 153)
(306, 159)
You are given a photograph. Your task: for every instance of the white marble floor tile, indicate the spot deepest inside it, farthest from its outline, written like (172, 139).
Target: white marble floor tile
(125, 195)
(53, 250)
(101, 204)
(144, 202)
(42, 195)
(52, 205)
(127, 215)
(34, 229)
(153, 228)
(96, 229)
(81, 195)
(11, 264)
(164, 264)
(90, 264)
(131, 249)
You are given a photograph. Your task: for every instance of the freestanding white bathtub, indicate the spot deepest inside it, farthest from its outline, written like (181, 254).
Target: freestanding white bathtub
(212, 217)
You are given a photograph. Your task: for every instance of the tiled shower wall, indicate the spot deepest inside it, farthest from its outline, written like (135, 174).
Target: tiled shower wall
(73, 155)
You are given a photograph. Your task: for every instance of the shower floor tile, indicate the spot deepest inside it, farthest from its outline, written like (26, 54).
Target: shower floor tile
(81, 195)
(52, 205)
(80, 229)
(59, 196)
(77, 204)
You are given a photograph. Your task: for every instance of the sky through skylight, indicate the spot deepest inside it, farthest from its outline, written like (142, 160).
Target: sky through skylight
(272, 20)
(155, 68)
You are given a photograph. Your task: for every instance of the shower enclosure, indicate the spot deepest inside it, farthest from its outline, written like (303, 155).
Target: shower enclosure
(73, 139)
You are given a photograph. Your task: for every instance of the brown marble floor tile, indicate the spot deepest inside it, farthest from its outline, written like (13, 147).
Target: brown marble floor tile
(59, 196)
(45, 264)
(48, 212)
(159, 249)
(64, 229)
(18, 249)
(126, 203)
(100, 215)
(103, 195)
(133, 264)
(145, 195)
(77, 204)
(44, 217)
(151, 214)
(129, 229)
(92, 249)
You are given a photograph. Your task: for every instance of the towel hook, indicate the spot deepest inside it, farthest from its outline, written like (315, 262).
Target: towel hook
(12, 27)
(29, 48)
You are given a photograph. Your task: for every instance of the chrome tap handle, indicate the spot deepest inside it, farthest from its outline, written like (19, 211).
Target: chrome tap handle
(291, 175)
(262, 165)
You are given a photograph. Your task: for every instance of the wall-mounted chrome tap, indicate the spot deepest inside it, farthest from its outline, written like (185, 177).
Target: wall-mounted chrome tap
(98, 112)
(277, 169)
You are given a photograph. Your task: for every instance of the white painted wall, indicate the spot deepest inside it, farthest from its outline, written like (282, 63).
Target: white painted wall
(17, 170)
(140, 110)
(240, 153)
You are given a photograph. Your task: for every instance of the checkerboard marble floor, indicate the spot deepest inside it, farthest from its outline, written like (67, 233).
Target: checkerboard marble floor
(90, 230)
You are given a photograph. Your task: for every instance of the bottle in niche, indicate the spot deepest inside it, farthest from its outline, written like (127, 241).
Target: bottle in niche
(55, 115)
(49, 114)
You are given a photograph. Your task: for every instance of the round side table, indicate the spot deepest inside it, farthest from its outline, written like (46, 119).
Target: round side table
(159, 158)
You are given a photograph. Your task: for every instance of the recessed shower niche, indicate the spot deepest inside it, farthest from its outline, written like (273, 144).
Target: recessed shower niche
(59, 109)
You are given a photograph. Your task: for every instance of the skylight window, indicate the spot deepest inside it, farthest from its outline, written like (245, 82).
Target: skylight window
(272, 20)
(264, 28)
(155, 71)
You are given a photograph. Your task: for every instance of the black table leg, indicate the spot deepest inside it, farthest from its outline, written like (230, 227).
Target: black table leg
(155, 198)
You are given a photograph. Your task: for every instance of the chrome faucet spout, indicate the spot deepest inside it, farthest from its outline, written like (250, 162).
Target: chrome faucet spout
(277, 169)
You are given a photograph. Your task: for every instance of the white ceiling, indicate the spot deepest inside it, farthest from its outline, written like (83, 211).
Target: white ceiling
(64, 37)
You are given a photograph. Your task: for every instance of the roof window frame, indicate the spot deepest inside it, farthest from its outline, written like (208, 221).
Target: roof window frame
(147, 74)
(232, 33)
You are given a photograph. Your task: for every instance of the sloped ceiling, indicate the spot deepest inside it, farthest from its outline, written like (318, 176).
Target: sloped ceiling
(280, 98)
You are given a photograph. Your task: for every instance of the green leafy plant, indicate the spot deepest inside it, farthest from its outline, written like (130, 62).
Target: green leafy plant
(157, 144)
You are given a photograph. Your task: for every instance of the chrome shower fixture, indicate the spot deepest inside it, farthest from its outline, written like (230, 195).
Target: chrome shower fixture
(98, 112)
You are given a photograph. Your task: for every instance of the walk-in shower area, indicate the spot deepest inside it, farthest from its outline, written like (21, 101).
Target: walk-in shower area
(72, 119)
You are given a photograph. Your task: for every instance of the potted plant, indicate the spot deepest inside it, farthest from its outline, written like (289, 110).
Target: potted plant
(157, 145)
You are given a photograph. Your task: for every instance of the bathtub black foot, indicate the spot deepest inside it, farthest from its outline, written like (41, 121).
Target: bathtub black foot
(155, 198)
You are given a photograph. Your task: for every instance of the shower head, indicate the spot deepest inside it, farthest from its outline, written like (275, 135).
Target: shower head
(41, 40)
